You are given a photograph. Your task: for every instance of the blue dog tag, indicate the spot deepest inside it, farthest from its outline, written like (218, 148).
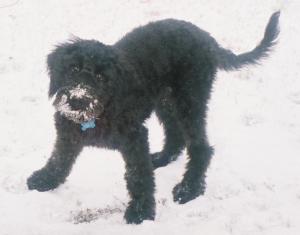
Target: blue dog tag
(88, 125)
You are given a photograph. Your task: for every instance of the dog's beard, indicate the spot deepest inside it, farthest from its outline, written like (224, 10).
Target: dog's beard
(87, 112)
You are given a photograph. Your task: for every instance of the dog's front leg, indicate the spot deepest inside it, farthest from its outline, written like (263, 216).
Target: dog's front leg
(58, 167)
(139, 175)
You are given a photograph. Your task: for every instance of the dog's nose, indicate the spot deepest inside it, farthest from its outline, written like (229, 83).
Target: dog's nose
(78, 104)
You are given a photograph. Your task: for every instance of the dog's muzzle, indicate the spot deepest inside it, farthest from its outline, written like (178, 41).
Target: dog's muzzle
(78, 104)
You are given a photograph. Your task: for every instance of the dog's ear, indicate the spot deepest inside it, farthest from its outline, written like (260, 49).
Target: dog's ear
(55, 67)
(51, 72)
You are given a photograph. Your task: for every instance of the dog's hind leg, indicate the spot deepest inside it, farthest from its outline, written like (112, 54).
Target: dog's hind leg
(58, 167)
(192, 106)
(174, 141)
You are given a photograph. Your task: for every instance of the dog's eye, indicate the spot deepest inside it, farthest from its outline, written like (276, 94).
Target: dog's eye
(100, 77)
(75, 69)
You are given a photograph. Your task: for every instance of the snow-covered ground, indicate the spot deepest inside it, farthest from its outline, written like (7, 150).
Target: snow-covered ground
(253, 122)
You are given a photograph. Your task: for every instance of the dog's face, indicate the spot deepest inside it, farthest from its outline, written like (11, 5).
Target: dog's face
(82, 75)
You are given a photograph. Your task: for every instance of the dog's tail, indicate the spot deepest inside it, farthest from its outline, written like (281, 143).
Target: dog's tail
(229, 61)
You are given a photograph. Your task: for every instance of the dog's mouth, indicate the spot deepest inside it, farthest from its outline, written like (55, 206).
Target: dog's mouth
(78, 104)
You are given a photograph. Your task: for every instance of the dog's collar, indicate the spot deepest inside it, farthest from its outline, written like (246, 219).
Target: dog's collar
(87, 125)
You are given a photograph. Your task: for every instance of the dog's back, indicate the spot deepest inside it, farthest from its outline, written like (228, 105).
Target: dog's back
(167, 44)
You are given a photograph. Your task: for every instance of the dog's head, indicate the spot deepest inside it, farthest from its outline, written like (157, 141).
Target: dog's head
(84, 77)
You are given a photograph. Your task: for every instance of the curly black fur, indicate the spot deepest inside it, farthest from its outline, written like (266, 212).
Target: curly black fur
(167, 67)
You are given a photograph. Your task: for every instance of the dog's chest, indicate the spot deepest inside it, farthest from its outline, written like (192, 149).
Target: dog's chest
(103, 135)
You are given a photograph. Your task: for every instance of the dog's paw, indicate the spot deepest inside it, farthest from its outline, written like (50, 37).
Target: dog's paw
(42, 181)
(137, 212)
(185, 191)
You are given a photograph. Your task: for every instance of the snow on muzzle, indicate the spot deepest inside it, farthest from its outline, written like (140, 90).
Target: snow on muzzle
(78, 104)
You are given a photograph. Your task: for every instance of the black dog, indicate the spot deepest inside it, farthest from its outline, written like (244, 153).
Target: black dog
(105, 93)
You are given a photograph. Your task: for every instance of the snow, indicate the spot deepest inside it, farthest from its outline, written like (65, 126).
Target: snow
(253, 122)
(79, 92)
(62, 106)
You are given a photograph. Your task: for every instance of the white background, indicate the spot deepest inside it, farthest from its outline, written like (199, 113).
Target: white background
(253, 122)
